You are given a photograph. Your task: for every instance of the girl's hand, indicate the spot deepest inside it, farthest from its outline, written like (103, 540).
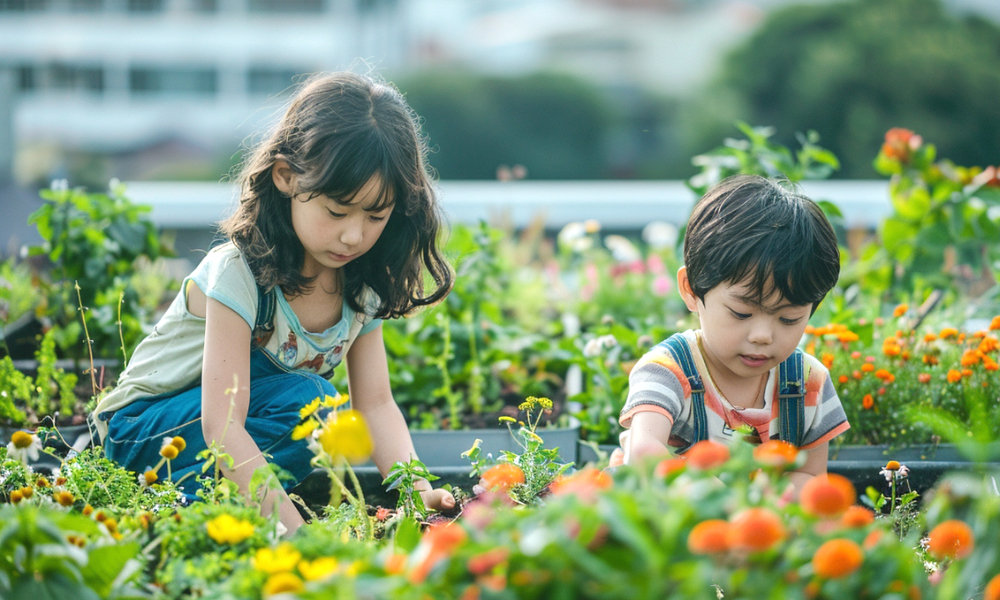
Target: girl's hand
(439, 500)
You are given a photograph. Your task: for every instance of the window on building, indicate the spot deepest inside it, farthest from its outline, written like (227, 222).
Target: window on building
(205, 6)
(85, 5)
(285, 6)
(26, 78)
(61, 76)
(169, 80)
(22, 5)
(270, 80)
(145, 5)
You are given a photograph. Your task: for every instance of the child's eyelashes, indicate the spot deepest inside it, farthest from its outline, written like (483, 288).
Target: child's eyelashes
(744, 316)
(785, 321)
(336, 215)
(739, 315)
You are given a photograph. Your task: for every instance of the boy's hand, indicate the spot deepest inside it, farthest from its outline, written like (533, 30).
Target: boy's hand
(439, 500)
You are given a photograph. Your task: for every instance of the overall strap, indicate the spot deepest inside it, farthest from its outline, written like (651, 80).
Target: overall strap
(263, 324)
(681, 352)
(791, 398)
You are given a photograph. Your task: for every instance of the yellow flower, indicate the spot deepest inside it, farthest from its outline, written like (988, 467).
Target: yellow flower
(226, 529)
(309, 409)
(179, 443)
(321, 568)
(65, 498)
(303, 429)
(280, 560)
(281, 583)
(506, 419)
(335, 401)
(346, 434)
(169, 451)
(148, 478)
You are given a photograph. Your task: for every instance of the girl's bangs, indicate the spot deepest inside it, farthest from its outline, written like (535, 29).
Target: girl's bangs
(342, 176)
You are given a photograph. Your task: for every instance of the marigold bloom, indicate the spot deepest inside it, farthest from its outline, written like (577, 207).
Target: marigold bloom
(900, 310)
(990, 365)
(856, 374)
(226, 529)
(868, 402)
(669, 465)
(395, 564)
(484, 562)
(837, 558)
(847, 337)
(868, 368)
(948, 332)
(755, 529)
(283, 583)
(776, 453)
(709, 537)
(900, 144)
(707, 454)
(930, 359)
(883, 374)
(282, 558)
(970, 357)
(843, 379)
(891, 350)
(827, 495)
(827, 360)
(440, 541)
(924, 378)
(995, 323)
(584, 484)
(318, 569)
(954, 376)
(345, 434)
(951, 539)
(502, 477)
(966, 372)
(856, 517)
(930, 337)
(988, 344)
(992, 589)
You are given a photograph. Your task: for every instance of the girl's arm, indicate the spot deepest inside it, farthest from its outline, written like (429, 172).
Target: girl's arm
(815, 464)
(368, 386)
(227, 354)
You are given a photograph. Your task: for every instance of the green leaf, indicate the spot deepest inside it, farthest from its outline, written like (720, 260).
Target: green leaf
(105, 564)
(914, 205)
(49, 587)
(407, 535)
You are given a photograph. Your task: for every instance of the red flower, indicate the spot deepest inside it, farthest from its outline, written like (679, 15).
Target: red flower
(900, 144)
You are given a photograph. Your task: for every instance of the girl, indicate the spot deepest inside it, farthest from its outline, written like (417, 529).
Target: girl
(337, 222)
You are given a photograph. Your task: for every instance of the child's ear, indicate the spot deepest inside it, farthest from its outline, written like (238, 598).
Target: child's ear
(283, 177)
(684, 287)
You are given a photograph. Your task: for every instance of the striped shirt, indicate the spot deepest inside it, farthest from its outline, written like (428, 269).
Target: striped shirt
(658, 384)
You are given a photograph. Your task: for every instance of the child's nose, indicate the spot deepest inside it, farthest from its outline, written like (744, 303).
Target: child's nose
(351, 235)
(760, 334)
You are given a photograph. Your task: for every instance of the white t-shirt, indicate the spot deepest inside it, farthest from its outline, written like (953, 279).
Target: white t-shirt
(172, 356)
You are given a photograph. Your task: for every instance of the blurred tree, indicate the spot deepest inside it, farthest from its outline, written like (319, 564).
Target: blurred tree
(555, 125)
(851, 71)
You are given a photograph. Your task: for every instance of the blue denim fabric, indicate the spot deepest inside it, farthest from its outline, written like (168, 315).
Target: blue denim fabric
(277, 393)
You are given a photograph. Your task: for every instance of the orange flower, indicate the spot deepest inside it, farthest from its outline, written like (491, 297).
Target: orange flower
(995, 323)
(827, 360)
(948, 332)
(868, 402)
(827, 495)
(930, 359)
(707, 454)
(755, 529)
(954, 376)
(837, 558)
(847, 337)
(856, 374)
(669, 465)
(884, 375)
(872, 539)
(924, 378)
(989, 344)
(930, 337)
(966, 372)
(992, 589)
(989, 364)
(856, 517)
(868, 368)
(951, 539)
(709, 537)
(970, 357)
(502, 477)
(900, 310)
(395, 564)
(843, 379)
(585, 484)
(891, 350)
(440, 541)
(776, 453)
(484, 562)
(900, 144)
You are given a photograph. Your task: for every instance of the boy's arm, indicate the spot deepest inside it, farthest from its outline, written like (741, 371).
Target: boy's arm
(648, 436)
(815, 464)
(227, 353)
(368, 386)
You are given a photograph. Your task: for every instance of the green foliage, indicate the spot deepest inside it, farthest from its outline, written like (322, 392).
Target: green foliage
(555, 125)
(94, 239)
(852, 70)
(27, 400)
(403, 477)
(18, 295)
(99, 481)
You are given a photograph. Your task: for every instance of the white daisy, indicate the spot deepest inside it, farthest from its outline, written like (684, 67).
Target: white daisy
(24, 446)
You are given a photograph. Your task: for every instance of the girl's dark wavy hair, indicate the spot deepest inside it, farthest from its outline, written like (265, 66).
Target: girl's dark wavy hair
(339, 131)
(747, 226)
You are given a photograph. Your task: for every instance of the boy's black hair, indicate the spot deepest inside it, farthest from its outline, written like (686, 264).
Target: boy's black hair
(748, 228)
(339, 131)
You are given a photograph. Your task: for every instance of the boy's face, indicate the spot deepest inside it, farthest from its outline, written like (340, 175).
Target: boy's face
(741, 339)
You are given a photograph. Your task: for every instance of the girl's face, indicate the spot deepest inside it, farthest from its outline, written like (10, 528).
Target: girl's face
(334, 234)
(743, 340)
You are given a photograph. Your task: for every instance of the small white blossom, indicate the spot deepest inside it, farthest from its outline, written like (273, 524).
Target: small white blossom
(659, 234)
(622, 249)
(27, 446)
(592, 348)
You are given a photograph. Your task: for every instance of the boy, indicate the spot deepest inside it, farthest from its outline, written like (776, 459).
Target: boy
(758, 259)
